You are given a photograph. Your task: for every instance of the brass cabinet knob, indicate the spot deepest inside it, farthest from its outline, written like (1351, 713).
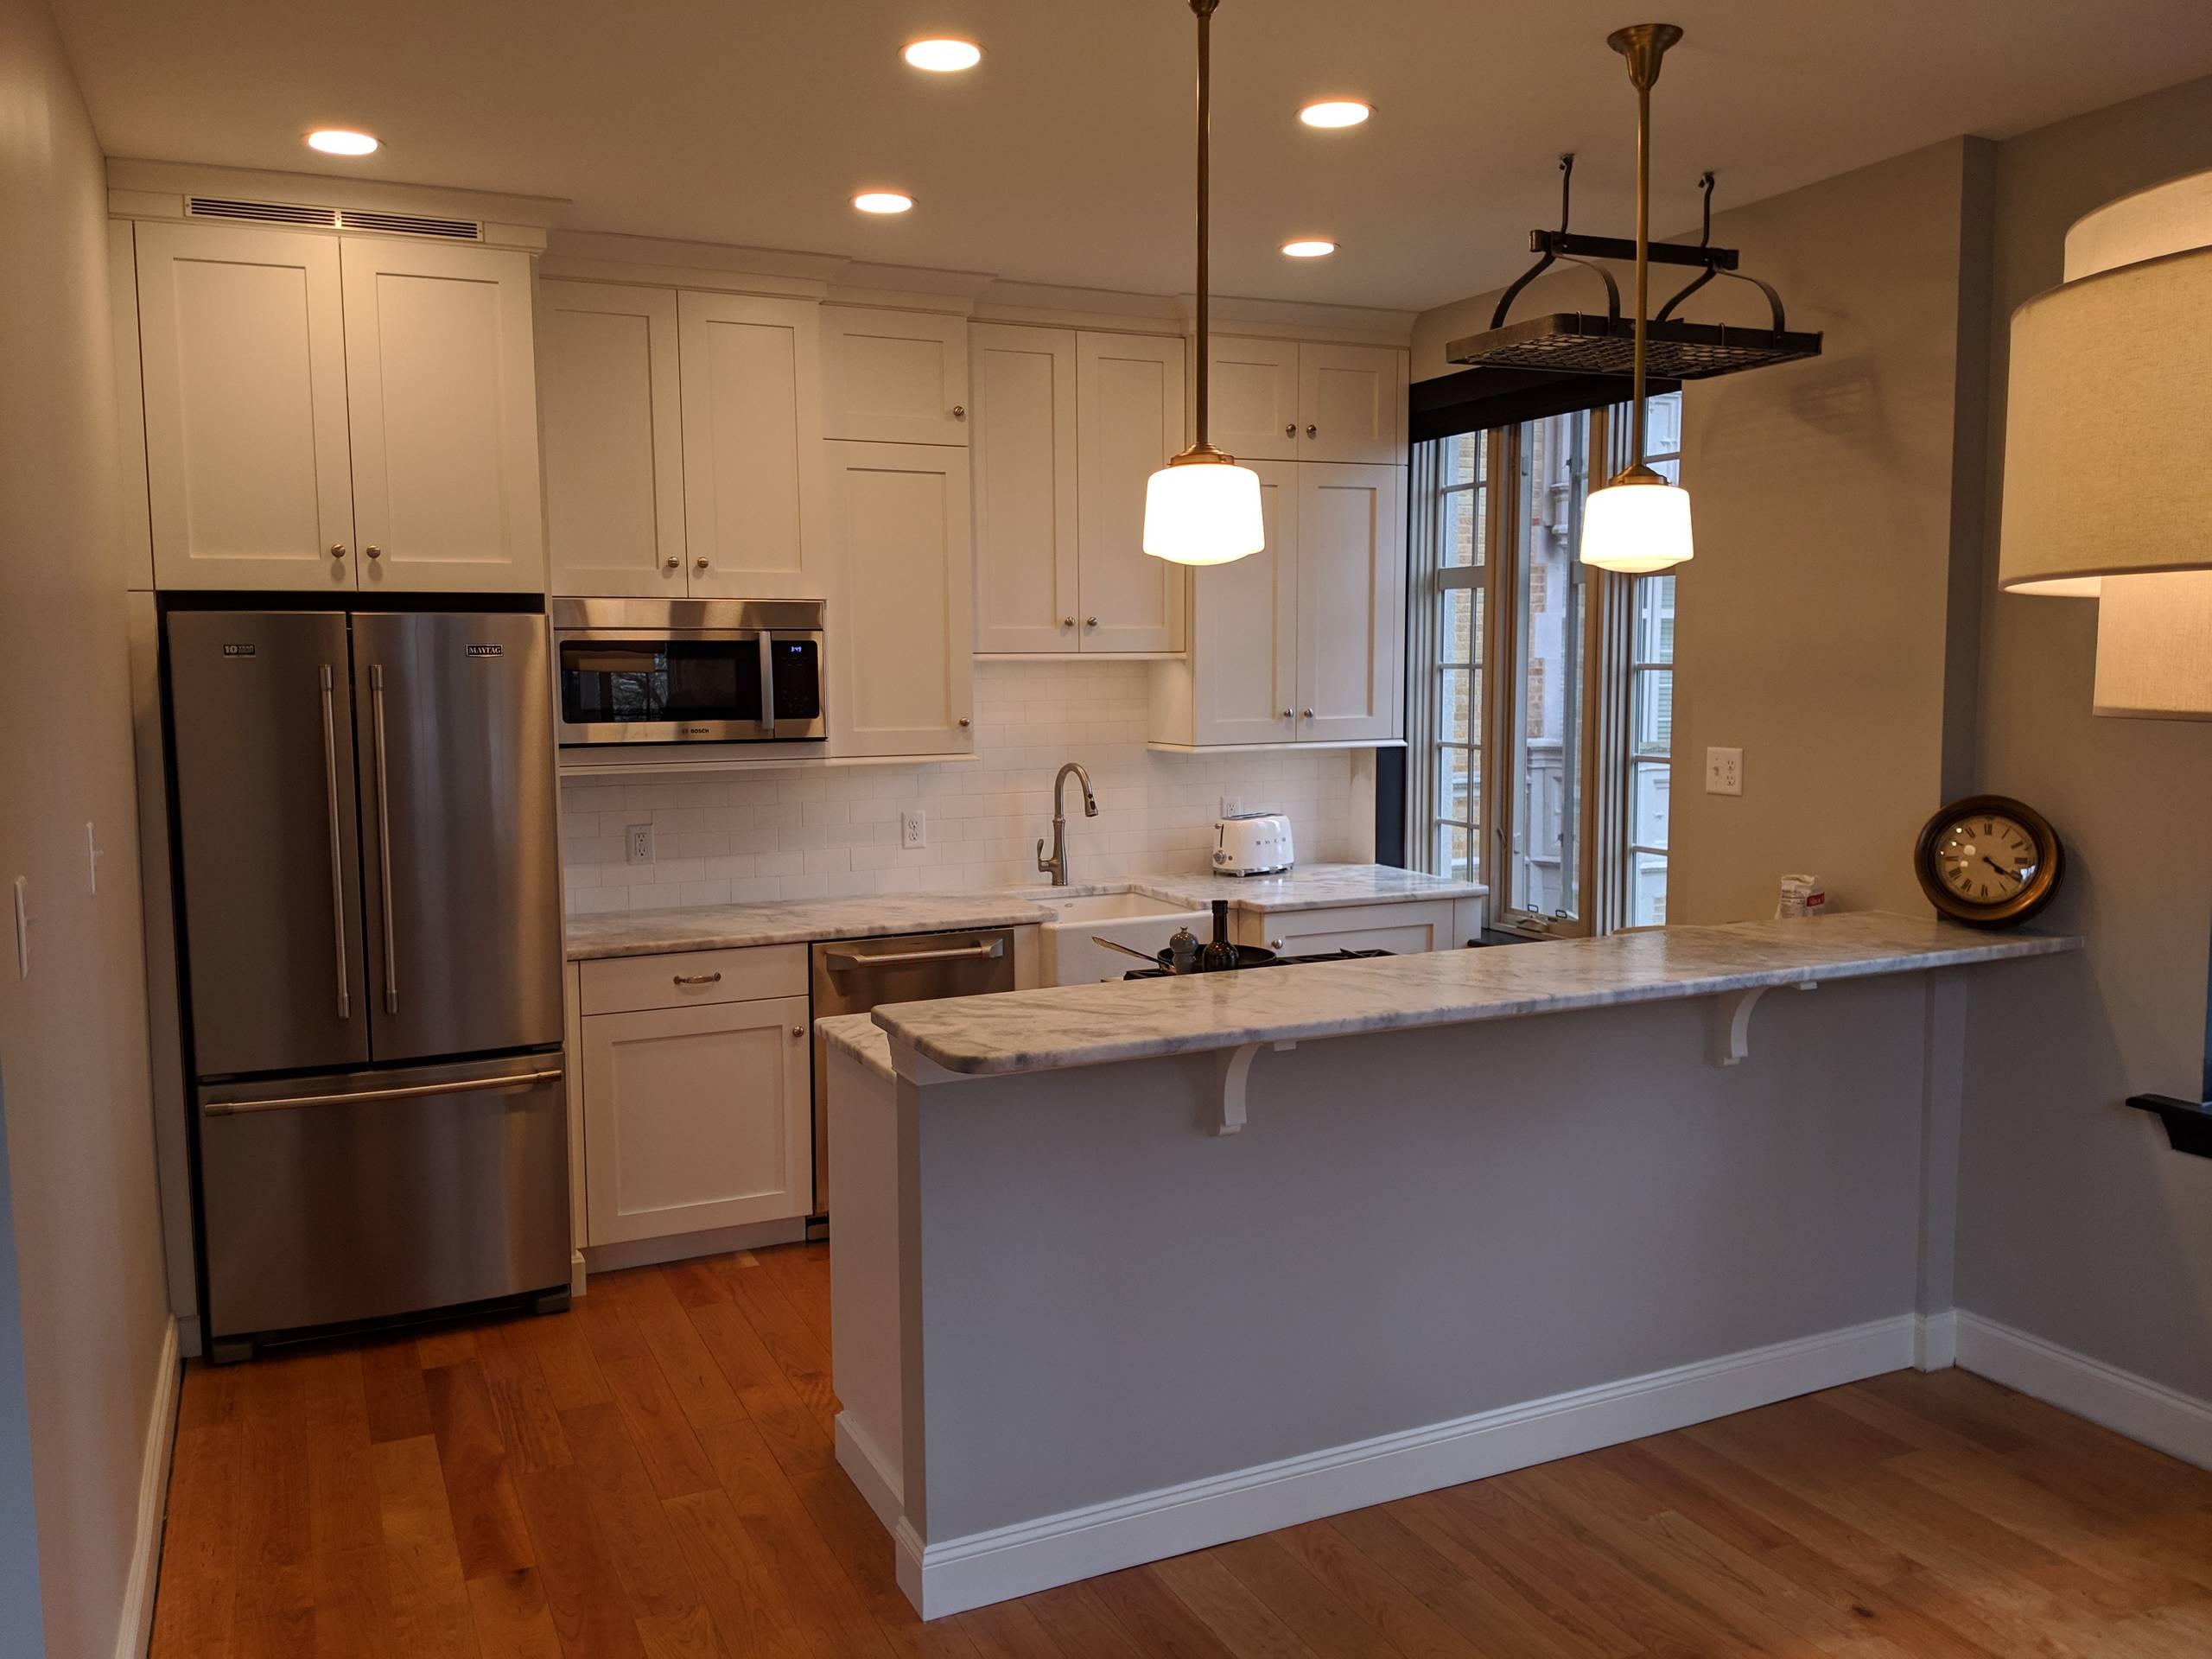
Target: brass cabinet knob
(1290, 428)
(798, 1031)
(1274, 944)
(1067, 621)
(702, 563)
(1286, 714)
(673, 562)
(1309, 428)
(1089, 621)
(373, 550)
(964, 721)
(338, 550)
(1309, 713)
(959, 411)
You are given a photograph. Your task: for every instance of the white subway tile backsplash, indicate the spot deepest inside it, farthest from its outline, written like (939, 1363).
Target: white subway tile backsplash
(826, 832)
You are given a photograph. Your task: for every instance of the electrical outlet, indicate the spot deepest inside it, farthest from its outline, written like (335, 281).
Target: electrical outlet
(913, 828)
(1232, 805)
(1723, 771)
(638, 844)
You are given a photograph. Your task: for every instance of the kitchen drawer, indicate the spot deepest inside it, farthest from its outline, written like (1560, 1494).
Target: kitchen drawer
(679, 978)
(1405, 929)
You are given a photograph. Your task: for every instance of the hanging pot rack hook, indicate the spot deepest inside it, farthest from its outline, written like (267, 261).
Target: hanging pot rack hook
(1703, 240)
(1566, 186)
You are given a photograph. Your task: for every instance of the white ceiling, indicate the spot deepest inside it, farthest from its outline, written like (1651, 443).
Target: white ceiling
(1065, 157)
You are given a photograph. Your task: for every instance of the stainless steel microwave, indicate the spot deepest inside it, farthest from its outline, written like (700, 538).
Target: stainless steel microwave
(688, 670)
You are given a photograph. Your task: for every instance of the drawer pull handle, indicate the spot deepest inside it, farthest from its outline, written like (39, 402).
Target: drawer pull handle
(699, 979)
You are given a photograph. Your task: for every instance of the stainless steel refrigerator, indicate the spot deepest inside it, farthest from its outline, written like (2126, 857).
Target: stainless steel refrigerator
(365, 834)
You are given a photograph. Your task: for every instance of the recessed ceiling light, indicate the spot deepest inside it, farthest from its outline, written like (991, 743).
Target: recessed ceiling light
(944, 57)
(337, 141)
(1336, 112)
(882, 201)
(1309, 247)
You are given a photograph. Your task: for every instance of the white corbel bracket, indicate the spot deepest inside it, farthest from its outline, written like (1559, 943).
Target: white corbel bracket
(1233, 1069)
(1732, 1020)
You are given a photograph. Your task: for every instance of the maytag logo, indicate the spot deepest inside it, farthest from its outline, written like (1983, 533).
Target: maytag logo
(487, 651)
(238, 651)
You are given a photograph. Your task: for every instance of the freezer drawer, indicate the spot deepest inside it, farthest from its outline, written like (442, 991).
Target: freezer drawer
(376, 1194)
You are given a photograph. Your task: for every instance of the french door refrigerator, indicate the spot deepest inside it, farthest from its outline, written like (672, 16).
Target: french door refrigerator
(365, 819)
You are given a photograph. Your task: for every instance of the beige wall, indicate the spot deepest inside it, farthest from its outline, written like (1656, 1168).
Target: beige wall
(73, 1035)
(1811, 628)
(2077, 1221)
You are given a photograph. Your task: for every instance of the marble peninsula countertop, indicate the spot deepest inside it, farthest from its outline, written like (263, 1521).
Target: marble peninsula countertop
(791, 921)
(1096, 1024)
(858, 1035)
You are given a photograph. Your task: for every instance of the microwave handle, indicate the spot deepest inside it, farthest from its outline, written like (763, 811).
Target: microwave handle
(766, 651)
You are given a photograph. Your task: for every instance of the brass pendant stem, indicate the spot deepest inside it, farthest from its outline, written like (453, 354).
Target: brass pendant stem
(1204, 9)
(1644, 44)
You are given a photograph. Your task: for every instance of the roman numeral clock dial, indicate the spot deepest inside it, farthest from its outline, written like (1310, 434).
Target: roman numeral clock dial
(1989, 861)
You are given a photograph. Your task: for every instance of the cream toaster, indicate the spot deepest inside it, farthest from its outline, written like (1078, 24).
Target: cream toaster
(1251, 843)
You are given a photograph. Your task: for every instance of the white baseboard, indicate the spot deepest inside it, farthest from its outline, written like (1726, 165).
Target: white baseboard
(984, 1567)
(2174, 1423)
(1934, 1341)
(135, 1629)
(878, 1483)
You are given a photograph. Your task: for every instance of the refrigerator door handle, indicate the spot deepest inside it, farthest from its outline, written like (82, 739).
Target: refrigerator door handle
(407, 1091)
(384, 840)
(337, 854)
(767, 683)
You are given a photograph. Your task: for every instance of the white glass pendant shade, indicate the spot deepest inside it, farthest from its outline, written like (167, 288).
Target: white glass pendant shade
(1203, 513)
(1636, 526)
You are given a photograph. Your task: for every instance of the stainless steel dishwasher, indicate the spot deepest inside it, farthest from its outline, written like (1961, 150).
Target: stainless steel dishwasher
(853, 976)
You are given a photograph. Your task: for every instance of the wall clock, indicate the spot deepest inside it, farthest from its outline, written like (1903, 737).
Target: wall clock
(1988, 861)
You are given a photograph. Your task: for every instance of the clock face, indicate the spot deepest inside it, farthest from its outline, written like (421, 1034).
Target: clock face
(1986, 858)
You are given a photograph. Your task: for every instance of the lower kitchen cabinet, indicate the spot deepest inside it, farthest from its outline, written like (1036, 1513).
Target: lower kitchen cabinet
(1406, 928)
(696, 1117)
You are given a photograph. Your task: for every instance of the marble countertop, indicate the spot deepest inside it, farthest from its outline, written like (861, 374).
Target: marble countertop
(858, 1035)
(793, 921)
(1096, 1024)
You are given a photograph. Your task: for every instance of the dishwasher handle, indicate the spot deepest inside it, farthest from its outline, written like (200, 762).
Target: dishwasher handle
(843, 961)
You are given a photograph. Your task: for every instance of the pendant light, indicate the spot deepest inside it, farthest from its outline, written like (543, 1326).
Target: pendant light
(1203, 508)
(1639, 523)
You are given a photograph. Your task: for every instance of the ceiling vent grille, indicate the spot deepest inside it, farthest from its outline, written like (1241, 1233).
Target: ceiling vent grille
(334, 218)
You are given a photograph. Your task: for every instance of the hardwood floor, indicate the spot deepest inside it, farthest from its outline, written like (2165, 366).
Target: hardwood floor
(651, 1477)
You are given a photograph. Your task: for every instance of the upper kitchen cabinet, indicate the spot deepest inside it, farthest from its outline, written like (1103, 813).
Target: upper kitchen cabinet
(1069, 426)
(754, 515)
(1302, 642)
(337, 412)
(1128, 422)
(894, 377)
(611, 406)
(1025, 458)
(442, 388)
(904, 669)
(1280, 400)
(242, 346)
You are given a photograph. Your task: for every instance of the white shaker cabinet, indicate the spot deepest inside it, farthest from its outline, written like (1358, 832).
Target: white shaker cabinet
(902, 601)
(1284, 400)
(1252, 410)
(611, 406)
(755, 516)
(242, 343)
(1129, 422)
(696, 1117)
(1303, 641)
(442, 392)
(894, 376)
(1352, 602)
(1024, 452)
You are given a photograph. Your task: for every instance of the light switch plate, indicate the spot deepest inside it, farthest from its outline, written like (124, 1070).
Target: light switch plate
(913, 828)
(1723, 771)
